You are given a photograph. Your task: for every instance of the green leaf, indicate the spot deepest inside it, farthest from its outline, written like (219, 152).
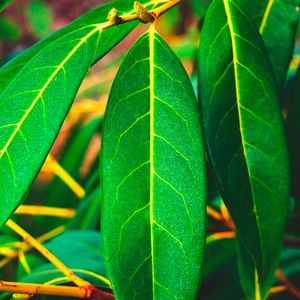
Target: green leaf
(244, 129)
(40, 18)
(8, 30)
(87, 213)
(220, 274)
(35, 103)
(248, 275)
(98, 15)
(200, 7)
(293, 132)
(4, 4)
(277, 21)
(153, 176)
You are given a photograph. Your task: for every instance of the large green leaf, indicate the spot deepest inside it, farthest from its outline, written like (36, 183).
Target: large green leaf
(35, 103)
(244, 129)
(98, 15)
(277, 21)
(153, 177)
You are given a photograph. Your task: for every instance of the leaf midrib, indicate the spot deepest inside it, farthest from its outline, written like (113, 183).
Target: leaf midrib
(238, 98)
(266, 16)
(152, 172)
(38, 97)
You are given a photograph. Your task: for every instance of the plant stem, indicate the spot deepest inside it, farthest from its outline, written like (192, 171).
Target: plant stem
(131, 17)
(289, 286)
(59, 171)
(220, 235)
(40, 289)
(26, 247)
(47, 254)
(45, 211)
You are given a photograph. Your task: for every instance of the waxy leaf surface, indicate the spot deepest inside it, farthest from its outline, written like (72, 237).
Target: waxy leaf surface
(34, 104)
(153, 177)
(244, 129)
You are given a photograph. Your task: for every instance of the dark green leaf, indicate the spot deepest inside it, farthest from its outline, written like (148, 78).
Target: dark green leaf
(248, 275)
(277, 21)
(35, 103)
(72, 159)
(244, 129)
(87, 214)
(8, 30)
(153, 176)
(293, 133)
(220, 274)
(4, 4)
(40, 18)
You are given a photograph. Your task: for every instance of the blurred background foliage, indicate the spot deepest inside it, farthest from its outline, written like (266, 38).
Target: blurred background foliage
(70, 180)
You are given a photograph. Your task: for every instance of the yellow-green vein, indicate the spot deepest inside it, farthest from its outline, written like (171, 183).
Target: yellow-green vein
(151, 64)
(266, 16)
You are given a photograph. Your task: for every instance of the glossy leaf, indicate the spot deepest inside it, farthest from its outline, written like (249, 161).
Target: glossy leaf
(153, 177)
(4, 4)
(244, 129)
(40, 97)
(98, 15)
(277, 21)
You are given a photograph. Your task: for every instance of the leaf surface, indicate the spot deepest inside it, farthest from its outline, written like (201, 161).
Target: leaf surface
(153, 177)
(97, 15)
(244, 129)
(33, 106)
(277, 21)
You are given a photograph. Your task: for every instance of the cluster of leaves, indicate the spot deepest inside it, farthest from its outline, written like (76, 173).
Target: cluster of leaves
(153, 160)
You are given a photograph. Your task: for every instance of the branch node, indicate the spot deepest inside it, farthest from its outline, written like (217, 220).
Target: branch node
(143, 14)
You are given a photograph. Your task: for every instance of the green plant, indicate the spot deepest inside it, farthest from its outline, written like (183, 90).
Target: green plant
(153, 176)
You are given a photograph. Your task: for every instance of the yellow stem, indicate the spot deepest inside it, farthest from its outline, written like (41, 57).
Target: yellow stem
(59, 171)
(214, 214)
(45, 211)
(278, 289)
(47, 254)
(61, 279)
(26, 247)
(220, 235)
(40, 289)
(24, 263)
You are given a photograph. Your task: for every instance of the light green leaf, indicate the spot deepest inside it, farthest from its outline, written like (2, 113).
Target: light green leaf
(277, 21)
(244, 129)
(4, 4)
(153, 177)
(33, 106)
(40, 18)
